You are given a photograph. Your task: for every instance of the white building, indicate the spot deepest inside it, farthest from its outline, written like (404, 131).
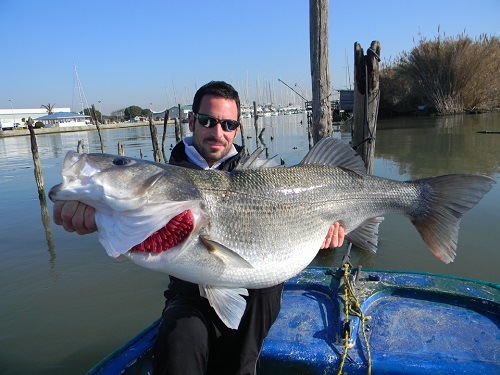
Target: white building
(64, 119)
(10, 117)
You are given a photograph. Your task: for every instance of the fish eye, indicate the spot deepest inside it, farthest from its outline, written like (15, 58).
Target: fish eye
(121, 161)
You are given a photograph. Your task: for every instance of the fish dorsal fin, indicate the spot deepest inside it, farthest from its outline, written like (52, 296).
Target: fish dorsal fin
(253, 161)
(334, 152)
(365, 236)
(226, 255)
(228, 303)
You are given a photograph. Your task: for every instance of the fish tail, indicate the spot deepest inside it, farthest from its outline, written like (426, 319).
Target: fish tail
(443, 201)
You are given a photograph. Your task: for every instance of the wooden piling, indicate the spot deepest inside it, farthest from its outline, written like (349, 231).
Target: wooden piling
(154, 139)
(242, 137)
(120, 148)
(255, 119)
(366, 102)
(36, 161)
(178, 133)
(41, 191)
(164, 135)
(80, 147)
(320, 71)
(94, 117)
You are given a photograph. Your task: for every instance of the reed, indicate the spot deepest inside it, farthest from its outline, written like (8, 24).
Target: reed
(448, 74)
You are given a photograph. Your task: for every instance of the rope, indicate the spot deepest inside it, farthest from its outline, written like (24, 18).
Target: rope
(353, 307)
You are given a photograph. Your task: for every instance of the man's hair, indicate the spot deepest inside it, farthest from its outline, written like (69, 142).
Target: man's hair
(218, 89)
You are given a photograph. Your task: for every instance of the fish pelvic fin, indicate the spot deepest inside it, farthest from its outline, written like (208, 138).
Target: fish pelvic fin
(365, 236)
(334, 152)
(228, 303)
(226, 255)
(444, 200)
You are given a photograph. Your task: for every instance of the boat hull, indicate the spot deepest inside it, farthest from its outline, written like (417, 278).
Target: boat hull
(418, 324)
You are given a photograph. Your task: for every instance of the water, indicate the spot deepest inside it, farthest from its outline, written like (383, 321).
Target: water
(65, 304)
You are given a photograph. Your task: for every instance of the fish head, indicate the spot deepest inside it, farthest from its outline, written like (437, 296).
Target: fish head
(133, 199)
(119, 182)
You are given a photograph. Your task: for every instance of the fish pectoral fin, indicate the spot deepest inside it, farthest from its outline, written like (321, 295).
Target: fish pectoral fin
(253, 161)
(365, 236)
(228, 303)
(225, 254)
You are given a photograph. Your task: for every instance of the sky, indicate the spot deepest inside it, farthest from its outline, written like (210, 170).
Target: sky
(155, 54)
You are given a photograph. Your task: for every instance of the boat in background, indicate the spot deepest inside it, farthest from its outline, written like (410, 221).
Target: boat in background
(360, 320)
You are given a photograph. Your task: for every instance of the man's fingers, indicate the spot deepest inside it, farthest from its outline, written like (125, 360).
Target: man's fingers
(89, 220)
(74, 216)
(328, 238)
(341, 236)
(56, 212)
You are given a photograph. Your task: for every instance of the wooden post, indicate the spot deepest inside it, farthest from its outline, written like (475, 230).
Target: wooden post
(320, 71)
(120, 148)
(178, 127)
(178, 135)
(80, 147)
(242, 136)
(164, 135)
(366, 102)
(36, 161)
(154, 139)
(41, 191)
(94, 117)
(255, 119)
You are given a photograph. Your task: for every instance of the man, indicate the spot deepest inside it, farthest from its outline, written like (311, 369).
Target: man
(191, 338)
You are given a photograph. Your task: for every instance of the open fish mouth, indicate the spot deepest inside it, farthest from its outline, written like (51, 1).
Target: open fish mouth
(172, 234)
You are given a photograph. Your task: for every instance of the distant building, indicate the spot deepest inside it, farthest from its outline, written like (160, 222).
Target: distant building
(64, 119)
(174, 112)
(16, 116)
(346, 102)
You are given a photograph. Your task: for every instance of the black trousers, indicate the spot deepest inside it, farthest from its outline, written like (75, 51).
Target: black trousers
(193, 340)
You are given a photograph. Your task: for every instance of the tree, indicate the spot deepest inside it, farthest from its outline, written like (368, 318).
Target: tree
(146, 112)
(88, 112)
(132, 111)
(49, 107)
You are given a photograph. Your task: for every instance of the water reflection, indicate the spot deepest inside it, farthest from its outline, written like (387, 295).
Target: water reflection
(441, 145)
(48, 231)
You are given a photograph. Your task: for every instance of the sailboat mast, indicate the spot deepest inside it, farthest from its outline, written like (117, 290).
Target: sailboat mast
(81, 93)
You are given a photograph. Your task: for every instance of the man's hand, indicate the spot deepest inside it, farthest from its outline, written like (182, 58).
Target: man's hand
(334, 237)
(74, 216)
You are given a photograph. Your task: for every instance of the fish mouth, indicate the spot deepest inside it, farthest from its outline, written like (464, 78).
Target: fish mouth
(170, 235)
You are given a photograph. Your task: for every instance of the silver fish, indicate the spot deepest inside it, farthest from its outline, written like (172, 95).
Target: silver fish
(255, 227)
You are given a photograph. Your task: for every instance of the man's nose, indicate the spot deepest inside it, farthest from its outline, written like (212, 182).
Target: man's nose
(218, 129)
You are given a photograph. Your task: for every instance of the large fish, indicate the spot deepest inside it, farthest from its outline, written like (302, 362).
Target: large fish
(255, 227)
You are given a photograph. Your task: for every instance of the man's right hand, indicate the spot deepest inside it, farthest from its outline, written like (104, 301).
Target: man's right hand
(74, 216)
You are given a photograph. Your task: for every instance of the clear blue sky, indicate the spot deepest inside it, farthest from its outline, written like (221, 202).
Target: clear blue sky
(160, 52)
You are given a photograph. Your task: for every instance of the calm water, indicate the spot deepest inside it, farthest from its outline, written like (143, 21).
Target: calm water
(65, 304)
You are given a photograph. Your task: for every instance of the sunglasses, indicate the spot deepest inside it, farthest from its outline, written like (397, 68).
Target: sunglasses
(209, 122)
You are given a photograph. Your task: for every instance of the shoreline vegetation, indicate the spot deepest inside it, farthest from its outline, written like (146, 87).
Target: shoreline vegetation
(447, 75)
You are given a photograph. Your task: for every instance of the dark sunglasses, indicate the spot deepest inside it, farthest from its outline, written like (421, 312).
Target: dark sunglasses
(209, 122)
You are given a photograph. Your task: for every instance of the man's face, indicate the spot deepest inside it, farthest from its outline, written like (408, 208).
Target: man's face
(214, 143)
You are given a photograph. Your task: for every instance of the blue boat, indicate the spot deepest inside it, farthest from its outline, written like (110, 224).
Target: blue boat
(393, 323)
